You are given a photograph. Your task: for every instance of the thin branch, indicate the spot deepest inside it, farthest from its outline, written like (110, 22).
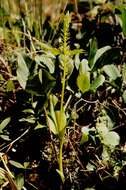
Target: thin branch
(6, 66)
(78, 160)
(14, 141)
(118, 107)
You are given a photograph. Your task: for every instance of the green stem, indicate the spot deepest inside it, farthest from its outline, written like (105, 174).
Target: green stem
(61, 156)
(61, 110)
(60, 160)
(65, 54)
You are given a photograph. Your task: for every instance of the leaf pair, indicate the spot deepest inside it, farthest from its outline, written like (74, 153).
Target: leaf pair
(56, 119)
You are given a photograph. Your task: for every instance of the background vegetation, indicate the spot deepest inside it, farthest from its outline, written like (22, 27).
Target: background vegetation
(62, 95)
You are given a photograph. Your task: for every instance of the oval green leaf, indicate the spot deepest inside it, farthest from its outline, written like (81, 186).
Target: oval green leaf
(16, 164)
(111, 139)
(83, 82)
(99, 53)
(52, 126)
(4, 123)
(22, 71)
(112, 71)
(97, 82)
(19, 181)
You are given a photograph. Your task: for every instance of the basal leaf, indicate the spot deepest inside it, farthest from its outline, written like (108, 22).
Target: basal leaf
(47, 61)
(111, 139)
(4, 123)
(29, 119)
(105, 57)
(99, 53)
(93, 49)
(52, 126)
(83, 82)
(22, 71)
(97, 82)
(5, 137)
(112, 71)
(19, 181)
(16, 164)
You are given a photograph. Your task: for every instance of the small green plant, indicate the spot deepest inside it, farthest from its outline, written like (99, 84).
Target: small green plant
(57, 120)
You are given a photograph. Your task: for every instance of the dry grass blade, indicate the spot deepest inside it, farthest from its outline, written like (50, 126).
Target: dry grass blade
(7, 177)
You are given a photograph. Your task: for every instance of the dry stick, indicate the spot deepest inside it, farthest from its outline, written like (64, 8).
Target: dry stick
(5, 165)
(31, 185)
(78, 160)
(76, 6)
(7, 173)
(117, 106)
(86, 101)
(6, 66)
(10, 179)
(67, 103)
(14, 141)
(45, 46)
(75, 107)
